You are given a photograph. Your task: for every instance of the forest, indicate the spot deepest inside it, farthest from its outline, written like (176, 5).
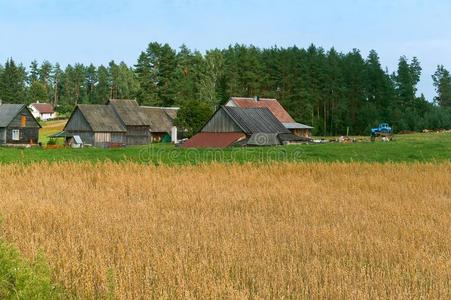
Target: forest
(327, 89)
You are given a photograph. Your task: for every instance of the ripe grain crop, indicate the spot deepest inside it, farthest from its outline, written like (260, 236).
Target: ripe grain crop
(313, 230)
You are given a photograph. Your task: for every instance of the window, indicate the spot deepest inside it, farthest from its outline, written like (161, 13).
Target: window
(16, 135)
(23, 121)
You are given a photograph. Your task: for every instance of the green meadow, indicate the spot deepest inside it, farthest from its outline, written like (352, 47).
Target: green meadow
(421, 147)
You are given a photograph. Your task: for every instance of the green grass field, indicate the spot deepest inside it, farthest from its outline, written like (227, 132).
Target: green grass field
(429, 147)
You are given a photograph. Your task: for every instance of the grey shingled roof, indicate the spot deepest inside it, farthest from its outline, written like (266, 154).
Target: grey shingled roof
(296, 126)
(101, 118)
(8, 112)
(161, 118)
(255, 120)
(129, 112)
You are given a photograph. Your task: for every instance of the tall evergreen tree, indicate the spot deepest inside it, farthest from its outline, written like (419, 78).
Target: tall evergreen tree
(12, 83)
(102, 87)
(146, 77)
(442, 84)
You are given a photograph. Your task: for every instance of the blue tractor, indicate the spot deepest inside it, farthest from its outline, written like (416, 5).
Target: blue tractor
(383, 130)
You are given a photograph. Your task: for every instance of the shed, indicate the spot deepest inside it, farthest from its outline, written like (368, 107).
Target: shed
(161, 121)
(134, 120)
(17, 125)
(97, 125)
(278, 111)
(242, 127)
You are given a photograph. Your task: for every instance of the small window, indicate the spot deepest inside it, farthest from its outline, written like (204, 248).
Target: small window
(16, 135)
(23, 121)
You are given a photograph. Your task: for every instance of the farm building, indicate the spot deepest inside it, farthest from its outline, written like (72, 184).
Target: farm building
(162, 122)
(277, 109)
(17, 125)
(97, 125)
(119, 123)
(133, 119)
(235, 126)
(42, 111)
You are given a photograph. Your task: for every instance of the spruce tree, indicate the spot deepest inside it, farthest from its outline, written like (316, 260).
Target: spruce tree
(442, 84)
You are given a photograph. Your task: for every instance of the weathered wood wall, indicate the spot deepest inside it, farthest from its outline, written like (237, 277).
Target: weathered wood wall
(221, 122)
(27, 126)
(77, 123)
(138, 135)
(30, 120)
(2, 135)
(26, 135)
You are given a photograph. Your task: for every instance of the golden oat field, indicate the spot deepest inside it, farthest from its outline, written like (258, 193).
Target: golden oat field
(312, 230)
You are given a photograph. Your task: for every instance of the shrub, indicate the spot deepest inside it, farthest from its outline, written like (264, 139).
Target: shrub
(20, 280)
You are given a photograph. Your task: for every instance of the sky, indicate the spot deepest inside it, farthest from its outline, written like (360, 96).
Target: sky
(98, 31)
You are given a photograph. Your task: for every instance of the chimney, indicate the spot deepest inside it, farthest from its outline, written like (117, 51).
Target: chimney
(256, 98)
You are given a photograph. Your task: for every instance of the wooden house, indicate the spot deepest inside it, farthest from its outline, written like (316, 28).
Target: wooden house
(235, 126)
(97, 125)
(277, 109)
(17, 125)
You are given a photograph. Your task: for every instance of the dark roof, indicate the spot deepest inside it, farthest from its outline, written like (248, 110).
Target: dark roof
(101, 118)
(213, 140)
(43, 108)
(8, 112)
(272, 104)
(296, 126)
(61, 134)
(129, 112)
(161, 118)
(255, 120)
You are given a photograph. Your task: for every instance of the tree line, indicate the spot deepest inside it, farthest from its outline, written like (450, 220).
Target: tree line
(329, 90)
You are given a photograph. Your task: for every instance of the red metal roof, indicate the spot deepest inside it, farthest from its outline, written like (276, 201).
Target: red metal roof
(43, 108)
(213, 139)
(272, 104)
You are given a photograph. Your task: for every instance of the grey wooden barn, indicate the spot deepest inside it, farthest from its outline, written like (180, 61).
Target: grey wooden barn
(119, 122)
(131, 116)
(235, 126)
(97, 125)
(17, 125)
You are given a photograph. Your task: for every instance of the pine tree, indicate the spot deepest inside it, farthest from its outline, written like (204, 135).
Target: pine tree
(12, 83)
(37, 92)
(146, 77)
(442, 84)
(55, 78)
(91, 82)
(102, 87)
(34, 71)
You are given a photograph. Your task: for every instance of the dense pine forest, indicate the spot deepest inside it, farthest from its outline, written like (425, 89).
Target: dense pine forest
(330, 90)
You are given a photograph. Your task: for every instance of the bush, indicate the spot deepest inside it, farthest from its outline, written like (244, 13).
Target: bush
(51, 142)
(20, 280)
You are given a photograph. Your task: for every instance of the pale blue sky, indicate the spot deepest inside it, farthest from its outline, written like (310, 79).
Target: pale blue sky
(98, 31)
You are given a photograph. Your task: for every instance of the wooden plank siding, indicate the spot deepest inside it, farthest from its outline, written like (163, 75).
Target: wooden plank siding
(26, 135)
(27, 126)
(138, 135)
(221, 122)
(2, 135)
(77, 123)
